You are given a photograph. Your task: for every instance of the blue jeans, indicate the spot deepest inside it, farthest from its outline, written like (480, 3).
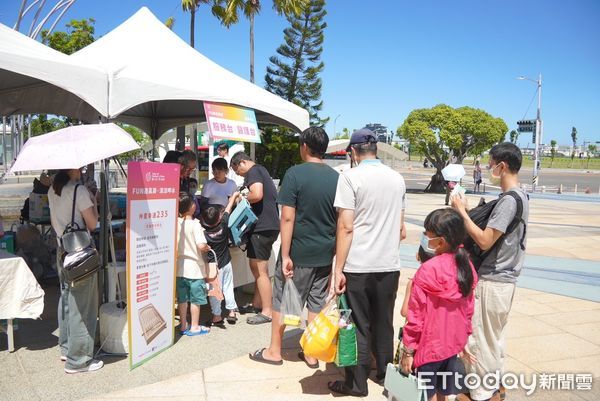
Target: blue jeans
(77, 317)
(226, 280)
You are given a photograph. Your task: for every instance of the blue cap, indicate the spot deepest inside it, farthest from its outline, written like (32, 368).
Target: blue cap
(361, 136)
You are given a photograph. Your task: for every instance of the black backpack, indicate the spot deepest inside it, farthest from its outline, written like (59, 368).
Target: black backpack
(480, 216)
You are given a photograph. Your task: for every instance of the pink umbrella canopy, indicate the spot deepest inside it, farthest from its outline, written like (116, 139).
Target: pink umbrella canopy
(73, 147)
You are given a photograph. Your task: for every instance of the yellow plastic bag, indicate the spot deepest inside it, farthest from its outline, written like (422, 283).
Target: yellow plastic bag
(319, 340)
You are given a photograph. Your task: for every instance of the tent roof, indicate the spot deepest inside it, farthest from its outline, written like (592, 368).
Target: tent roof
(157, 81)
(37, 79)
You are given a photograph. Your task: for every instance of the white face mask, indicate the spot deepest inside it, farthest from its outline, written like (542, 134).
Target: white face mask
(425, 243)
(493, 179)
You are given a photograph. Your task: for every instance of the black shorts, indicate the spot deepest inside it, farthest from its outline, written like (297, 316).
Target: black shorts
(447, 385)
(260, 244)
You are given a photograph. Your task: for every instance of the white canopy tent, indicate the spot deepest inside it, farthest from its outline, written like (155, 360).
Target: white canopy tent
(157, 81)
(37, 79)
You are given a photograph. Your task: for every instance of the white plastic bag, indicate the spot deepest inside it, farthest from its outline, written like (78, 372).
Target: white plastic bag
(291, 304)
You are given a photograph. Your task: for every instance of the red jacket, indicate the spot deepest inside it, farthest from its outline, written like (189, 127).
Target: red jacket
(439, 317)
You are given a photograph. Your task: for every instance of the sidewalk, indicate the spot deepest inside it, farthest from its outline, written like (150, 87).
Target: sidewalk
(546, 333)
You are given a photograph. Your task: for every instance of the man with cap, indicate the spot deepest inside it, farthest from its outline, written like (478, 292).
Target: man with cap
(370, 199)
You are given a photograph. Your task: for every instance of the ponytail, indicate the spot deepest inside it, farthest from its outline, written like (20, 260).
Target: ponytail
(60, 180)
(464, 273)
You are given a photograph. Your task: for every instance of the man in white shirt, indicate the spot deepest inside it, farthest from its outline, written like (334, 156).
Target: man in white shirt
(370, 199)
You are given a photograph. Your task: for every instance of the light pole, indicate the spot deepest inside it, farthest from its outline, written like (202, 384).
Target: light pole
(538, 129)
(334, 121)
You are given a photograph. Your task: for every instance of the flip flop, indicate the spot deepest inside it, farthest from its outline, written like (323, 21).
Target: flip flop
(232, 319)
(203, 331)
(338, 386)
(184, 332)
(259, 318)
(310, 365)
(257, 356)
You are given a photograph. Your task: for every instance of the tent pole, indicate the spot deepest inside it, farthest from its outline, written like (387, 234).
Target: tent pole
(4, 144)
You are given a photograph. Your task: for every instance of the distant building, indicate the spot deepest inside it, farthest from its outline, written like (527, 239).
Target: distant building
(381, 132)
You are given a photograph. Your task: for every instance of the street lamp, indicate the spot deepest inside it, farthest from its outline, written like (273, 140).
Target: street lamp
(538, 128)
(334, 121)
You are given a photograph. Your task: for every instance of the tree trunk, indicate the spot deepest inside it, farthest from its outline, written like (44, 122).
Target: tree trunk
(436, 185)
(192, 26)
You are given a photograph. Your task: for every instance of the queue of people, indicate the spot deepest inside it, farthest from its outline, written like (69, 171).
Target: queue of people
(340, 233)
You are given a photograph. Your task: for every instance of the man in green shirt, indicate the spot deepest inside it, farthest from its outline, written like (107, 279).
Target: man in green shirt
(308, 223)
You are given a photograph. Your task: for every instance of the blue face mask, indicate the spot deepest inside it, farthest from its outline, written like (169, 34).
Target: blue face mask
(425, 243)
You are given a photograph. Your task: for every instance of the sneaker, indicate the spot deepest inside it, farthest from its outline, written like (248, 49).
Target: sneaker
(94, 365)
(63, 358)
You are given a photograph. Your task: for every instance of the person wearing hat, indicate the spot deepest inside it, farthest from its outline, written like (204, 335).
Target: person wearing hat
(370, 199)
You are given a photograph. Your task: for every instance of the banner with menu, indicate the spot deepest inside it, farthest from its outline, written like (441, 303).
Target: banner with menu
(152, 202)
(231, 122)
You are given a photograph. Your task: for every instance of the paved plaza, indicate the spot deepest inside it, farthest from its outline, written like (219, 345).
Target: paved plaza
(554, 328)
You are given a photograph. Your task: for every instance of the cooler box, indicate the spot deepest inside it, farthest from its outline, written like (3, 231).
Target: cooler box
(241, 220)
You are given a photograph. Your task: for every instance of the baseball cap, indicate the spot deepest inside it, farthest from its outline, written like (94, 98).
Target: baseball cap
(361, 136)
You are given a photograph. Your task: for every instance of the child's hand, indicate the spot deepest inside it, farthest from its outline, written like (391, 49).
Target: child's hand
(466, 356)
(204, 248)
(406, 363)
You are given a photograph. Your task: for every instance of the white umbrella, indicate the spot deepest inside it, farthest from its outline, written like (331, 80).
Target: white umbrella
(453, 172)
(73, 147)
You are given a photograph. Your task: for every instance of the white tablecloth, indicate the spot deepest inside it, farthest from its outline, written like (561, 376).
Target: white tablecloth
(20, 294)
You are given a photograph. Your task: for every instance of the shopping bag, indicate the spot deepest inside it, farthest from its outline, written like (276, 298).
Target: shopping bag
(402, 386)
(213, 279)
(291, 304)
(347, 351)
(319, 340)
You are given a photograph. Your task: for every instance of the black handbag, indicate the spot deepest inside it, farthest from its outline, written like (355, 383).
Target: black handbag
(80, 259)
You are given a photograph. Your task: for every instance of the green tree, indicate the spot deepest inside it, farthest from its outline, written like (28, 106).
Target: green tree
(228, 12)
(278, 150)
(192, 6)
(442, 132)
(140, 137)
(514, 136)
(79, 34)
(40, 124)
(294, 73)
(574, 139)
(170, 22)
(552, 152)
(591, 152)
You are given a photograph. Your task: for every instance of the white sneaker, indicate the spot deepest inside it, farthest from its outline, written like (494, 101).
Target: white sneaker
(94, 365)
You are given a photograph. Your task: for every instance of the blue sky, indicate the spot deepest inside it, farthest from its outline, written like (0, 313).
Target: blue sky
(386, 58)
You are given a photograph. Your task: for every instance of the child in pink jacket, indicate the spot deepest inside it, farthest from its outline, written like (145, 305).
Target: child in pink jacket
(440, 307)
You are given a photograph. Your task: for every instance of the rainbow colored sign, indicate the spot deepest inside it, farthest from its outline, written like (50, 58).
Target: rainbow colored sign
(231, 122)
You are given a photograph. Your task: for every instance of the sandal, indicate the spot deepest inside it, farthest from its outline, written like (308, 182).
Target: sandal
(184, 332)
(248, 308)
(257, 356)
(310, 365)
(203, 330)
(259, 318)
(232, 319)
(339, 386)
(219, 323)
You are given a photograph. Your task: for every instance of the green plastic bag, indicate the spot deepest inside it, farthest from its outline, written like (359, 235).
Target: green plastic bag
(347, 352)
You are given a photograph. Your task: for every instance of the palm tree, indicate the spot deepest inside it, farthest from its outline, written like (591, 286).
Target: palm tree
(228, 12)
(552, 151)
(170, 22)
(192, 7)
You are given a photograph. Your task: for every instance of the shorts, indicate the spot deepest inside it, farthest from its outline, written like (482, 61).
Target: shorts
(311, 283)
(444, 384)
(260, 244)
(192, 290)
